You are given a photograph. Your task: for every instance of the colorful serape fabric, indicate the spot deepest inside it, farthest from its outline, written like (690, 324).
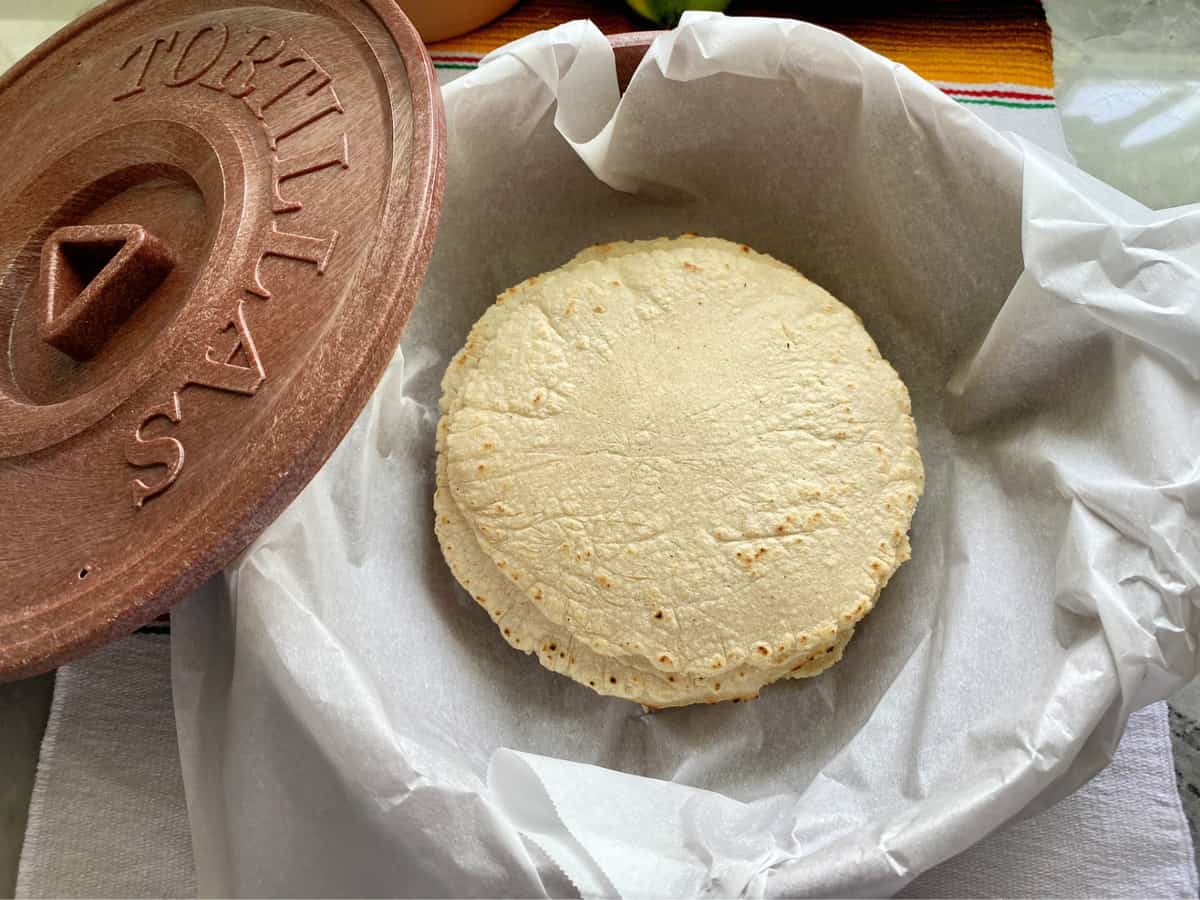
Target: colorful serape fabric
(986, 52)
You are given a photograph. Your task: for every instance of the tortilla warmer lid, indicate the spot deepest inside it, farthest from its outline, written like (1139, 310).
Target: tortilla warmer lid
(214, 219)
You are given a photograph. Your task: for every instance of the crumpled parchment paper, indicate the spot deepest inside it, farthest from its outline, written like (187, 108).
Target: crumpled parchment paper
(350, 722)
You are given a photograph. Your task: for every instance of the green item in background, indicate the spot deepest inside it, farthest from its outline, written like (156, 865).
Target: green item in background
(1127, 81)
(667, 12)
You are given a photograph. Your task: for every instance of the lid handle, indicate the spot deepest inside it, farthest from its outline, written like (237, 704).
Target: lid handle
(92, 279)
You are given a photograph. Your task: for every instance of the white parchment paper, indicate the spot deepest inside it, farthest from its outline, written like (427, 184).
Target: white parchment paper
(349, 721)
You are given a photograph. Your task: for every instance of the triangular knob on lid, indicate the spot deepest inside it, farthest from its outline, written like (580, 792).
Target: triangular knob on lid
(93, 277)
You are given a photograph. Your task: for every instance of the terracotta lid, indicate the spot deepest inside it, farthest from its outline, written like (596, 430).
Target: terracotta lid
(214, 219)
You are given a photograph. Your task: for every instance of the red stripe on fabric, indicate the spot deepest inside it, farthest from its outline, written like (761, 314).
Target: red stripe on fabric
(1008, 95)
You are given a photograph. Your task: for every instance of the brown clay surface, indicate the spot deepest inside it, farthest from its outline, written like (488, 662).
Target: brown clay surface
(214, 219)
(629, 48)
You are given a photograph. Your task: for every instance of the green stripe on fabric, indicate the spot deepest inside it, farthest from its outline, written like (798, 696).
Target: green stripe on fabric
(441, 65)
(1014, 104)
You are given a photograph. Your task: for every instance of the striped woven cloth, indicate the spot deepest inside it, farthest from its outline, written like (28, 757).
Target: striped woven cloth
(994, 52)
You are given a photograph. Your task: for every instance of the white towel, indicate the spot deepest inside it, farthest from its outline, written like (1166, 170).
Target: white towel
(1122, 835)
(108, 816)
